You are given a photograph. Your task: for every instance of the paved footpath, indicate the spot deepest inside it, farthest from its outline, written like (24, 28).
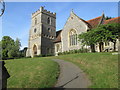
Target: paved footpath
(71, 76)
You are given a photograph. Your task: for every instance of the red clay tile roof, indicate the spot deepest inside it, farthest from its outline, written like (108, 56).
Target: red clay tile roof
(58, 36)
(113, 20)
(95, 21)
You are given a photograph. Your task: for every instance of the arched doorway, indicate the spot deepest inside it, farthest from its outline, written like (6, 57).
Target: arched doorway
(34, 50)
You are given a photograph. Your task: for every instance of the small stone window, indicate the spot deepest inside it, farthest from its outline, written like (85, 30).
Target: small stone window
(49, 30)
(71, 17)
(35, 30)
(48, 20)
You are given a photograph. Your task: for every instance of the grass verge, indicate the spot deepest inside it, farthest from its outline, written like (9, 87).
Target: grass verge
(101, 68)
(32, 73)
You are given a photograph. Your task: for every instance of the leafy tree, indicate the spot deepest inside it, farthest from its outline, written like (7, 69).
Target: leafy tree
(23, 52)
(17, 44)
(17, 47)
(12, 54)
(7, 42)
(103, 33)
(114, 28)
(10, 48)
(87, 39)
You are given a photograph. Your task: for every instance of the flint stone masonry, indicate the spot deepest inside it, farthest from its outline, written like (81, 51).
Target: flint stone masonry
(76, 24)
(43, 38)
(42, 33)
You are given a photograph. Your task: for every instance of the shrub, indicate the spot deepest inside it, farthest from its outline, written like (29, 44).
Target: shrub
(82, 50)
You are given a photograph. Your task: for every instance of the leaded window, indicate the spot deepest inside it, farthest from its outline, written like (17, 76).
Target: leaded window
(72, 37)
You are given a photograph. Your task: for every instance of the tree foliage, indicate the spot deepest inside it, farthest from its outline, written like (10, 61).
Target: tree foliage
(106, 18)
(10, 48)
(103, 33)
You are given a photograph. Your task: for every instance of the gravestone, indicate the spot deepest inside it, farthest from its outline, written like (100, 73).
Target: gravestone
(4, 75)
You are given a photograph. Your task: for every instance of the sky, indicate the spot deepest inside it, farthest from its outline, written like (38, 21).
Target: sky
(16, 20)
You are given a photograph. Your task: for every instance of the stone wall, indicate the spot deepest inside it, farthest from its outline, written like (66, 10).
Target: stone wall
(41, 32)
(75, 23)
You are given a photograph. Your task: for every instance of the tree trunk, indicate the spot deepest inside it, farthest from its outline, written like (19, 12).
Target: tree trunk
(114, 46)
(92, 48)
(101, 46)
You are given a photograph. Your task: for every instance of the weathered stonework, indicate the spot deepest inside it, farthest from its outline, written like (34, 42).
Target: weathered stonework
(42, 33)
(77, 24)
(43, 38)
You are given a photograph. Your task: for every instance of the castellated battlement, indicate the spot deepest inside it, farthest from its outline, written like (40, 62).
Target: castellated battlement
(44, 11)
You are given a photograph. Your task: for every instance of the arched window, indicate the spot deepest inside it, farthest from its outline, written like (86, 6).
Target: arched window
(35, 21)
(48, 20)
(72, 37)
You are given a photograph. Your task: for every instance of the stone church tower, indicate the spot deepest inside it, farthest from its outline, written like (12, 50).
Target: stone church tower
(42, 33)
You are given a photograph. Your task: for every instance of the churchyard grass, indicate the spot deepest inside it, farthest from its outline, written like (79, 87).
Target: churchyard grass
(32, 73)
(101, 68)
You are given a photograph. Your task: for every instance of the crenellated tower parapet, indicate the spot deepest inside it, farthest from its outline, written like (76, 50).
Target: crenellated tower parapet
(44, 11)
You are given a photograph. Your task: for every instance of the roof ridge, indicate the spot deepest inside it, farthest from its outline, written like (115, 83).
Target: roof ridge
(112, 18)
(82, 19)
(94, 18)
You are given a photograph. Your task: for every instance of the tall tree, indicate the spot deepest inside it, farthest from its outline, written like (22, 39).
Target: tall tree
(17, 47)
(10, 48)
(7, 43)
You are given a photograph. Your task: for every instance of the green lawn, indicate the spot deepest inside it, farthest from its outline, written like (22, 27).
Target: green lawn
(32, 73)
(101, 68)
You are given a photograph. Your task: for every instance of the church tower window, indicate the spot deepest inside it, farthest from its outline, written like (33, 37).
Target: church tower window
(72, 37)
(49, 30)
(35, 30)
(48, 20)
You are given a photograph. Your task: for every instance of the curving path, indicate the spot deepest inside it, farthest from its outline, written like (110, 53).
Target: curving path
(71, 76)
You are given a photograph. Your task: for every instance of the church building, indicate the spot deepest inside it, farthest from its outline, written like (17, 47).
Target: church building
(45, 40)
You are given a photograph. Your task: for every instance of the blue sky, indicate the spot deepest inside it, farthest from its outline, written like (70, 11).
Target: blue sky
(16, 20)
